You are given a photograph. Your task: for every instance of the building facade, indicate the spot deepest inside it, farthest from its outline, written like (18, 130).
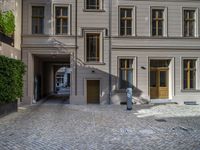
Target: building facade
(10, 47)
(110, 45)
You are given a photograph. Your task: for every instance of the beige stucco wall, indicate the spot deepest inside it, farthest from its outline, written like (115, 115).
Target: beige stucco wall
(141, 46)
(9, 51)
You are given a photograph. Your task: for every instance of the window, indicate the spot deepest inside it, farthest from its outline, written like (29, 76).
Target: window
(93, 4)
(93, 47)
(37, 19)
(126, 73)
(62, 20)
(125, 21)
(189, 23)
(157, 22)
(189, 75)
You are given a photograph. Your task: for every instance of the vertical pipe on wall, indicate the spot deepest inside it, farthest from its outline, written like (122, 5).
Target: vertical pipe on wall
(110, 50)
(21, 34)
(76, 46)
(22, 5)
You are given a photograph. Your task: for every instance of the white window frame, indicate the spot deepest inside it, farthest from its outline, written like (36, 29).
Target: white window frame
(101, 3)
(101, 53)
(196, 32)
(133, 20)
(69, 18)
(197, 73)
(165, 23)
(134, 58)
(30, 18)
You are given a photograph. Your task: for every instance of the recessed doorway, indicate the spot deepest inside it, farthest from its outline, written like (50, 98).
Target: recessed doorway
(159, 79)
(93, 91)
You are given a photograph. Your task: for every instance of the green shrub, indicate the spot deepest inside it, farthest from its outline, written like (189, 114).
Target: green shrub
(11, 79)
(7, 23)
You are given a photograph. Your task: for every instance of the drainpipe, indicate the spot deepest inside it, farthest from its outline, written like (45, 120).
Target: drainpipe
(110, 50)
(76, 46)
(22, 18)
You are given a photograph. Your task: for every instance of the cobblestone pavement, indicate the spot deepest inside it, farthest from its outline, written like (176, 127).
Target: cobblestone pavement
(59, 126)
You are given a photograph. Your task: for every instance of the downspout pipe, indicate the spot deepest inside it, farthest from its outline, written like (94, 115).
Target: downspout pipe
(22, 18)
(110, 51)
(76, 45)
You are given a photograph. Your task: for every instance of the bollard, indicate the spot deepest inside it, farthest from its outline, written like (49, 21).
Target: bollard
(129, 98)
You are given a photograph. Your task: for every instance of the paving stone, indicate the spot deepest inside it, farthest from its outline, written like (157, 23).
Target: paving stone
(58, 126)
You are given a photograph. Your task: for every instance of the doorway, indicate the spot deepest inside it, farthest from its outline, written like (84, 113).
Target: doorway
(93, 91)
(159, 79)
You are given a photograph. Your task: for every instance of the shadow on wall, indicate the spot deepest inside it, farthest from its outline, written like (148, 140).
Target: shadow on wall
(118, 95)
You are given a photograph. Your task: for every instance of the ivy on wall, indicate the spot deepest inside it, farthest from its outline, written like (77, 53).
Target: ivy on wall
(11, 79)
(7, 23)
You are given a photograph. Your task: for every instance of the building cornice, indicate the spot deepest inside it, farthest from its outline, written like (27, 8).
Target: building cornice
(46, 46)
(166, 0)
(119, 47)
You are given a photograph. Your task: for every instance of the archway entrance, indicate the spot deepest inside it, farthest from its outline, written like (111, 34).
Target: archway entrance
(62, 80)
(52, 78)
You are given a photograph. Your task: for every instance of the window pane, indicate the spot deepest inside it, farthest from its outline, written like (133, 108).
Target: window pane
(65, 26)
(93, 47)
(129, 31)
(153, 14)
(125, 21)
(191, 14)
(129, 23)
(126, 73)
(160, 13)
(185, 80)
(130, 79)
(122, 31)
(153, 78)
(128, 12)
(122, 13)
(122, 79)
(58, 11)
(163, 78)
(192, 64)
(64, 11)
(129, 63)
(122, 24)
(37, 19)
(154, 28)
(38, 11)
(186, 32)
(157, 22)
(61, 20)
(189, 23)
(92, 4)
(185, 14)
(160, 28)
(191, 28)
(122, 63)
(192, 79)
(189, 76)
(58, 26)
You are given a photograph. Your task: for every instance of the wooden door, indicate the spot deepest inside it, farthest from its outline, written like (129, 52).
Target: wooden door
(159, 80)
(93, 91)
(163, 89)
(153, 84)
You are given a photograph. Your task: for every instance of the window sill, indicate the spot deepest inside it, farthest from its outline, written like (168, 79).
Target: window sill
(94, 10)
(190, 91)
(126, 36)
(94, 63)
